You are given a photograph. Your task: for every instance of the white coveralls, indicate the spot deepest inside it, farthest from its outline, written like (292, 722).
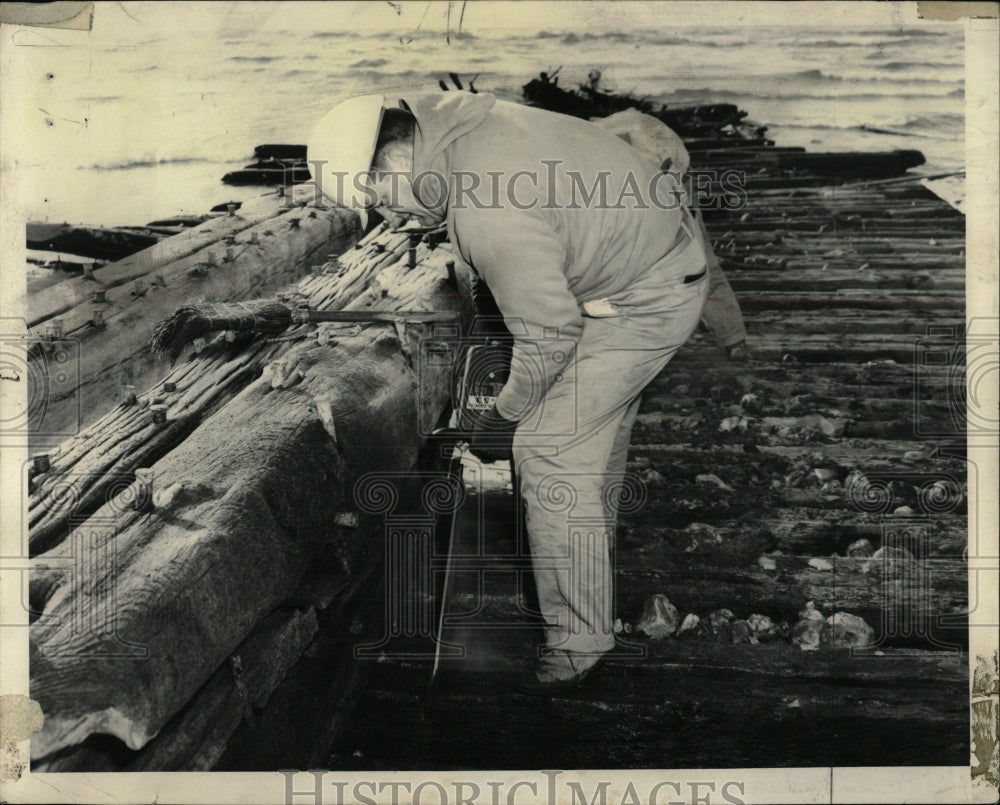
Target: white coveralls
(599, 294)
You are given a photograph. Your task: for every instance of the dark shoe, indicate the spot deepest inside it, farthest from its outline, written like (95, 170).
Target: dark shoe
(557, 671)
(739, 352)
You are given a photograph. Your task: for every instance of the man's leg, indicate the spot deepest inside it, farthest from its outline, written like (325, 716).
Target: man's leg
(564, 465)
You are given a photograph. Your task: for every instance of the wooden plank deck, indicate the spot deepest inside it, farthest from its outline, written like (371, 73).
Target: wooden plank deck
(846, 291)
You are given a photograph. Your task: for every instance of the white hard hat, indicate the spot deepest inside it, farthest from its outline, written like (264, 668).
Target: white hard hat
(344, 139)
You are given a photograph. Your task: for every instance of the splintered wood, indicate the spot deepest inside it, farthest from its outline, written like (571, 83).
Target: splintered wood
(147, 582)
(104, 321)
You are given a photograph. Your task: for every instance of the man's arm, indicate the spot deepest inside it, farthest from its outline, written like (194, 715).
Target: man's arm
(521, 259)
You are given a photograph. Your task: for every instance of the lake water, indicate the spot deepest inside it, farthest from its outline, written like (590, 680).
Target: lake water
(140, 119)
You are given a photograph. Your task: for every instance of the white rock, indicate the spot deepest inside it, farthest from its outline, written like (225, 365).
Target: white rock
(912, 456)
(659, 618)
(702, 534)
(844, 630)
(810, 613)
(690, 622)
(709, 478)
(819, 563)
(820, 423)
(824, 475)
(762, 626)
(651, 477)
(731, 423)
(903, 511)
(767, 563)
(860, 548)
(806, 635)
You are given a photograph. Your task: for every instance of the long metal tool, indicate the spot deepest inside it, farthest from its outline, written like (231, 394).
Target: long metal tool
(446, 442)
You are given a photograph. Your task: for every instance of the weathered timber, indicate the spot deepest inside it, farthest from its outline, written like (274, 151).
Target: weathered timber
(863, 700)
(89, 241)
(195, 738)
(243, 510)
(279, 151)
(109, 339)
(44, 306)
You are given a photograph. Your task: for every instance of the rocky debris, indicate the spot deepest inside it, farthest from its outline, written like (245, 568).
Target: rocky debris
(751, 404)
(913, 456)
(702, 535)
(807, 428)
(762, 627)
(689, 624)
(718, 626)
(807, 632)
(692, 421)
(659, 618)
(824, 475)
(742, 633)
(821, 564)
(904, 511)
(733, 423)
(889, 561)
(843, 630)
(766, 563)
(651, 477)
(860, 549)
(709, 478)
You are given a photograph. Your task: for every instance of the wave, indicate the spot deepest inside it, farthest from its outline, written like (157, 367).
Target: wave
(855, 42)
(914, 65)
(370, 63)
(826, 43)
(328, 34)
(611, 36)
(926, 135)
(144, 163)
(869, 77)
(934, 121)
(711, 94)
(254, 59)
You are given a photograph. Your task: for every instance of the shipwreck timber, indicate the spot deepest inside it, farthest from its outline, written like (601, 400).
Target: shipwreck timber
(203, 573)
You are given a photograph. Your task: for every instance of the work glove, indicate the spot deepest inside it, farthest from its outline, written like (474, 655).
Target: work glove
(493, 436)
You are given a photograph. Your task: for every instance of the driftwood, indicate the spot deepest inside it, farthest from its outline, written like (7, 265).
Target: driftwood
(90, 241)
(239, 510)
(105, 325)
